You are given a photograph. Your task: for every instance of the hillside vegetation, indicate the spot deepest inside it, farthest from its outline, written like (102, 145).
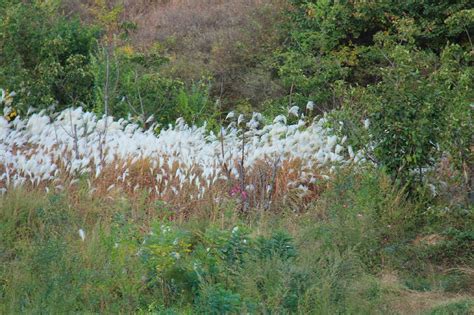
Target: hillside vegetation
(236, 157)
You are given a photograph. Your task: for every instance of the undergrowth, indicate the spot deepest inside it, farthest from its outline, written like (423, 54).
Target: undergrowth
(140, 257)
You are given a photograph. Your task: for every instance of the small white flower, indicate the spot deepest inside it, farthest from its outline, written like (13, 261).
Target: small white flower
(304, 189)
(332, 141)
(351, 152)
(310, 105)
(257, 116)
(253, 124)
(250, 187)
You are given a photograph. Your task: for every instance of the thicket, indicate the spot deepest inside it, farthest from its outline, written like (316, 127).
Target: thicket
(44, 57)
(405, 66)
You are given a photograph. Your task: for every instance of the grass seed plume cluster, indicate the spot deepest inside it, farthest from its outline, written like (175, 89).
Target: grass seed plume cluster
(248, 157)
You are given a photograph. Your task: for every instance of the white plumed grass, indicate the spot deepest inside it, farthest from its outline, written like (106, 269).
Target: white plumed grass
(182, 161)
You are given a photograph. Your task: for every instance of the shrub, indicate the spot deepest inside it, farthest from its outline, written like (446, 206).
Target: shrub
(403, 109)
(394, 63)
(418, 112)
(217, 300)
(330, 41)
(44, 57)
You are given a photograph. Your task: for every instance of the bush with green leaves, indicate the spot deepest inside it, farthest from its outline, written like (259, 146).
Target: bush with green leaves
(405, 67)
(187, 264)
(407, 113)
(44, 57)
(330, 41)
(421, 107)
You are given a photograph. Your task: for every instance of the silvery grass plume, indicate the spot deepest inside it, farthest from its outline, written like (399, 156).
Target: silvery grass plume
(294, 111)
(44, 150)
(82, 234)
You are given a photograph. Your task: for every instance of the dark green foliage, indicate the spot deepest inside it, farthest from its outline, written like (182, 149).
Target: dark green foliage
(280, 245)
(419, 112)
(402, 110)
(217, 300)
(406, 66)
(330, 41)
(48, 59)
(45, 58)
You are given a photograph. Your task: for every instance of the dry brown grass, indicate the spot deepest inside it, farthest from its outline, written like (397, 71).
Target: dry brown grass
(143, 188)
(228, 40)
(142, 182)
(203, 21)
(225, 39)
